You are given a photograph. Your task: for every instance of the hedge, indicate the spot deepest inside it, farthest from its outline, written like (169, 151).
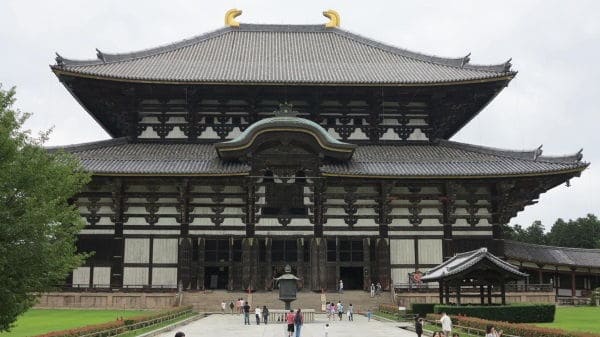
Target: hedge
(514, 313)
(517, 329)
(116, 327)
(422, 309)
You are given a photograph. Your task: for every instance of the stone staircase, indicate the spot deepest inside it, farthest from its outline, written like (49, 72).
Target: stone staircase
(210, 301)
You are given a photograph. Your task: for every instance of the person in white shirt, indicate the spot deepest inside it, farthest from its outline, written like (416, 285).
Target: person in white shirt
(446, 324)
(326, 330)
(257, 313)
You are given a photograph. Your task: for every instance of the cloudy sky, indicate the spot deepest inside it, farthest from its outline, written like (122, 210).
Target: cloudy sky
(555, 46)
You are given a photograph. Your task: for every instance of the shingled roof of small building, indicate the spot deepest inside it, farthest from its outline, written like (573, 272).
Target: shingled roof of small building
(436, 160)
(282, 54)
(552, 255)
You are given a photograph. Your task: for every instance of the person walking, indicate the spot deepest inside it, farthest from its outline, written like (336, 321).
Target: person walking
(257, 314)
(265, 314)
(223, 306)
(333, 311)
(326, 330)
(289, 318)
(418, 326)
(340, 309)
(351, 313)
(341, 286)
(246, 309)
(378, 289)
(446, 324)
(372, 288)
(298, 321)
(231, 306)
(369, 314)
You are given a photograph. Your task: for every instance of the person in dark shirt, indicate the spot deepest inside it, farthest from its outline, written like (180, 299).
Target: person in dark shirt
(246, 314)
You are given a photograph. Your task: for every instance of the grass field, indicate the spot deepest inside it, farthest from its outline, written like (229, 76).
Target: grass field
(39, 321)
(576, 319)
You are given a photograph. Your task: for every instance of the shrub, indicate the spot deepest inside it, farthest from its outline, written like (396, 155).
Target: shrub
(388, 309)
(517, 329)
(514, 313)
(422, 309)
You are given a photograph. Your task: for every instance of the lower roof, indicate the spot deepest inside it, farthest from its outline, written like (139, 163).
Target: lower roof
(441, 159)
(551, 255)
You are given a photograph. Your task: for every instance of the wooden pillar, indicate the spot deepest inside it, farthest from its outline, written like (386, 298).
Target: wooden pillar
(366, 264)
(201, 265)
(556, 281)
(503, 291)
(184, 262)
(118, 249)
(489, 293)
(481, 295)
(448, 219)
(441, 291)
(458, 294)
(250, 219)
(540, 275)
(249, 263)
(318, 190)
(573, 287)
(447, 292)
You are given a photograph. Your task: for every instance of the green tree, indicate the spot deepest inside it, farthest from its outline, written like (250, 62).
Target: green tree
(580, 233)
(38, 227)
(532, 234)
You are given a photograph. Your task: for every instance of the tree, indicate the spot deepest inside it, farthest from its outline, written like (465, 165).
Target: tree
(38, 226)
(532, 234)
(581, 233)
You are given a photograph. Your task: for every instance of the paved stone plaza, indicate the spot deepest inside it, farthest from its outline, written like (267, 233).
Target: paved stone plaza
(233, 325)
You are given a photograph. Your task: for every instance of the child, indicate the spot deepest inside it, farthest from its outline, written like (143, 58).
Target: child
(326, 330)
(369, 313)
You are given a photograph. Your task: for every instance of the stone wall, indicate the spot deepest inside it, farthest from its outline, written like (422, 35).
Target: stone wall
(405, 299)
(105, 300)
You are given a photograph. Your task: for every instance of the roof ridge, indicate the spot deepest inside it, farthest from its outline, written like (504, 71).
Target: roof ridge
(591, 250)
(532, 155)
(104, 58)
(458, 62)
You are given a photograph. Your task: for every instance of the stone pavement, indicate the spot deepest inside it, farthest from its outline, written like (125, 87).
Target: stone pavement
(219, 325)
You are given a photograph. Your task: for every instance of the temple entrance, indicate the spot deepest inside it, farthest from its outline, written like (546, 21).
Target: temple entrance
(352, 277)
(216, 277)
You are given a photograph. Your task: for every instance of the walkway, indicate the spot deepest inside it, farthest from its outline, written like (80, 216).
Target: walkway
(233, 326)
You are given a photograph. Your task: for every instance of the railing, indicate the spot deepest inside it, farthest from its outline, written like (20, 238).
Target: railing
(278, 315)
(135, 326)
(126, 288)
(572, 301)
(429, 288)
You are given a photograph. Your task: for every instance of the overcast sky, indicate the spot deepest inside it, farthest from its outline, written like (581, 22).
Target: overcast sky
(555, 46)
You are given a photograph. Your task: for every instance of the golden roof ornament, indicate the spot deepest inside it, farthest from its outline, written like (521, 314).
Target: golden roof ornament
(334, 18)
(230, 16)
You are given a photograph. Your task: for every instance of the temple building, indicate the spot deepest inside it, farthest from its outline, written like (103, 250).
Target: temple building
(254, 146)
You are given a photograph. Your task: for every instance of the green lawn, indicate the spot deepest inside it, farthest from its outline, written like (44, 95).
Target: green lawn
(39, 321)
(576, 319)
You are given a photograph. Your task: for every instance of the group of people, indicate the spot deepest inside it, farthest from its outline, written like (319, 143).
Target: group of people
(333, 310)
(294, 322)
(375, 289)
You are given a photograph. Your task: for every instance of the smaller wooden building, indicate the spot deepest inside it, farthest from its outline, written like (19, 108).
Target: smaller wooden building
(471, 271)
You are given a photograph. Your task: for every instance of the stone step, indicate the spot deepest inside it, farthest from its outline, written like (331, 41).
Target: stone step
(211, 300)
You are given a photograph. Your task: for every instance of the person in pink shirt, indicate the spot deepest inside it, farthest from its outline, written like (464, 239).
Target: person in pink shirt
(290, 322)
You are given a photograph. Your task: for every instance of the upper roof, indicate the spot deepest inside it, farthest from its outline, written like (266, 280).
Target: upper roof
(557, 256)
(437, 160)
(282, 54)
(462, 262)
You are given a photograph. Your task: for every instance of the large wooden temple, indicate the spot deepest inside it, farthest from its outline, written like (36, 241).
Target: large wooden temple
(254, 146)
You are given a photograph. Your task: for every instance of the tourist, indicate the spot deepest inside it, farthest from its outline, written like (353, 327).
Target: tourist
(418, 326)
(350, 312)
(257, 314)
(328, 311)
(333, 311)
(290, 322)
(490, 331)
(446, 324)
(378, 289)
(231, 306)
(455, 335)
(298, 321)
(369, 314)
(372, 289)
(265, 314)
(326, 330)
(341, 286)
(340, 310)
(179, 334)
(223, 306)
(246, 309)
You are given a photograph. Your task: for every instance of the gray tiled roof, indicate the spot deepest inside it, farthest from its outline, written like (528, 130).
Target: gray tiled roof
(301, 54)
(463, 261)
(563, 256)
(445, 158)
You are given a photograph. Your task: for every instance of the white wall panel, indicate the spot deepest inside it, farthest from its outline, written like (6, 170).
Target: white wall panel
(135, 276)
(102, 276)
(165, 277)
(400, 275)
(164, 251)
(137, 250)
(81, 276)
(430, 251)
(402, 251)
